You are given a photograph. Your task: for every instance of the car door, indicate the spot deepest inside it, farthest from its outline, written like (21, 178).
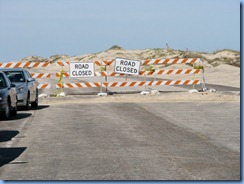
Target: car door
(31, 86)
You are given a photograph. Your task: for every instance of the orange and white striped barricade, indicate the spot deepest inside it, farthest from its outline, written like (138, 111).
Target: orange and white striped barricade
(128, 84)
(142, 73)
(40, 75)
(79, 85)
(153, 83)
(24, 65)
(171, 61)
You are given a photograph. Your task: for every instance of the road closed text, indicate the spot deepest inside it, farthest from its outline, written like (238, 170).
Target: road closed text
(81, 70)
(125, 66)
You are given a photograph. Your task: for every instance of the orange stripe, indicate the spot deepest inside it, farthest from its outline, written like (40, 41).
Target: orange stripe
(49, 75)
(87, 84)
(184, 60)
(78, 85)
(60, 85)
(161, 71)
(36, 64)
(17, 65)
(150, 72)
(141, 72)
(45, 64)
(150, 83)
(170, 71)
(175, 60)
(105, 84)
(113, 74)
(159, 82)
(179, 71)
(146, 62)
(196, 82)
(123, 84)
(110, 62)
(141, 83)
(166, 61)
(156, 61)
(186, 82)
(197, 71)
(66, 74)
(103, 74)
(168, 82)
(26, 65)
(193, 60)
(96, 84)
(177, 82)
(60, 63)
(44, 86)
(98, 63)
(69, 85)
(132, 83)
(188, 71)
(8, 65)
(114, 84)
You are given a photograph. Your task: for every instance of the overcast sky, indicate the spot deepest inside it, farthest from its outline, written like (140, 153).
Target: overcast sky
(75, 27)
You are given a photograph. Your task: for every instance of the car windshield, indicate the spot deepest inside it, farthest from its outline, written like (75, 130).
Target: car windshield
(2, 82)
(15, 76)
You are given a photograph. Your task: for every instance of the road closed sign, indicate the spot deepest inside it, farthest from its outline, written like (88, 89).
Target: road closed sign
(127, 66)
(78, 69)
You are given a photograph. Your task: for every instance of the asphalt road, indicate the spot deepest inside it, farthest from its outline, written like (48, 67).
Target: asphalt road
(122, 141)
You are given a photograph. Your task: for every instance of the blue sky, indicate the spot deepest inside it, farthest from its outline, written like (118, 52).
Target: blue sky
(75, 27)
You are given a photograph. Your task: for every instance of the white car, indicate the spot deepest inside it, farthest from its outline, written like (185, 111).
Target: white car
(27, 91)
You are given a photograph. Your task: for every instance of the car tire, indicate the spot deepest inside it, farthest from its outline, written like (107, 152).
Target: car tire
(6, 113)
(27, 105)
(14, 111)
(35, 103)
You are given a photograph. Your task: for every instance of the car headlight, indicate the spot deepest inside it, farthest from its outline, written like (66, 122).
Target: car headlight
(21, 90)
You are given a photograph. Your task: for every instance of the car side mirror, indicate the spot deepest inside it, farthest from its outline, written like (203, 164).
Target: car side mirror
(31, 79)
(12, 85)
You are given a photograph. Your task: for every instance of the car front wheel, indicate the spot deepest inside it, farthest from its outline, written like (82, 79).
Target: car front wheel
(35, 103)
(6, 114)
(14, 111)
(27, 105)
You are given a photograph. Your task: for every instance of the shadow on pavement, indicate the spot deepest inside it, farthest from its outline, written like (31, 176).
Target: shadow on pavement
(20, 116)
(7, 155)
(7, 135)
(17, 117)
(40, 107)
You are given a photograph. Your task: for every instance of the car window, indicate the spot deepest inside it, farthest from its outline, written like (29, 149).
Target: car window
(15, 76)
(2, 81)
(27, 74)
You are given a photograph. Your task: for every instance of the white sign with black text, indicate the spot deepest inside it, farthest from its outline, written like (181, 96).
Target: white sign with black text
(127, 66)
(78, 69)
